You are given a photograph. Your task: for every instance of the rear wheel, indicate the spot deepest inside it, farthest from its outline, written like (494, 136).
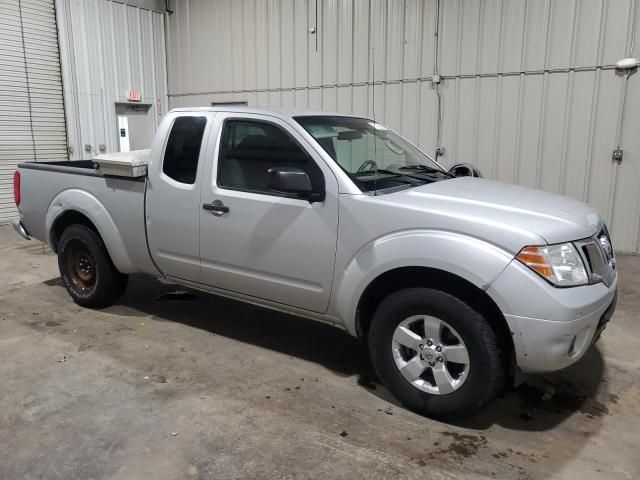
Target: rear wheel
(87, 270)
(435, 353)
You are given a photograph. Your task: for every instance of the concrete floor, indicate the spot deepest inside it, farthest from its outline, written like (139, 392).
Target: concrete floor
(203, 387)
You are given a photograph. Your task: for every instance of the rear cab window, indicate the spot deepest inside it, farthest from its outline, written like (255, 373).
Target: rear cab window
(183, 149)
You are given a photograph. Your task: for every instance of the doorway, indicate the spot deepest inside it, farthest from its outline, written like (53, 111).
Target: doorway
(135, 127)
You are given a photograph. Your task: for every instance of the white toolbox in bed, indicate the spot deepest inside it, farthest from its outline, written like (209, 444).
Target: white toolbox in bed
(123, 164)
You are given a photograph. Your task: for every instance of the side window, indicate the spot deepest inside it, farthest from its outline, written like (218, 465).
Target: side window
(183, 149)
(250, 148)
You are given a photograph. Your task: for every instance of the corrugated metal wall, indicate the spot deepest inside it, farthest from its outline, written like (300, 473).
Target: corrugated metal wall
(529, 90)
(108, 48)
(32, 123)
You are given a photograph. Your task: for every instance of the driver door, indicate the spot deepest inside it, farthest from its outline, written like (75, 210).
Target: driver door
(259, 242)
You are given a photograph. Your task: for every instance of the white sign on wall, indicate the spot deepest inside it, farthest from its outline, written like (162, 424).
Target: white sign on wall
(123, 133)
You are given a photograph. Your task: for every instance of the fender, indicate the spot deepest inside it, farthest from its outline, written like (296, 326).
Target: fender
(87, 204)
(475, 260)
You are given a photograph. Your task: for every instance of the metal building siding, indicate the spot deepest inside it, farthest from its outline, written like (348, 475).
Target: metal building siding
(108, 48)
(529, 92)
(15, 130)
(32, 123)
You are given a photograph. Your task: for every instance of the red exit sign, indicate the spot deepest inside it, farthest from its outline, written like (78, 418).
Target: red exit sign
(133, 95)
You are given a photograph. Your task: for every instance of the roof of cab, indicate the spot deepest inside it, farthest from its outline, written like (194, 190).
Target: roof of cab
(274, 112)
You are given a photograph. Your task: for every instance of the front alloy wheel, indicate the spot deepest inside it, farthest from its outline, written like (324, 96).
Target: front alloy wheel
(435, 353)
(430, 354)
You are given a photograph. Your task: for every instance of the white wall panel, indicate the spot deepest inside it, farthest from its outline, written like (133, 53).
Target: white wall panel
(108, 48)
(529, 90)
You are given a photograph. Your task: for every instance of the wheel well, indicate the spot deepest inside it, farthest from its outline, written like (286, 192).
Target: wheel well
(407, 277)
(70, 217)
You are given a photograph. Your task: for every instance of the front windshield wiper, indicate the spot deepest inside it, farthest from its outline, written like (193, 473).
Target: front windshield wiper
(378, 170)
(398, 177)
(425, 168)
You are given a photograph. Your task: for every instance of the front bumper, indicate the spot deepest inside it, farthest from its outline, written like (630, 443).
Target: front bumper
(547, 345)
(551, 328)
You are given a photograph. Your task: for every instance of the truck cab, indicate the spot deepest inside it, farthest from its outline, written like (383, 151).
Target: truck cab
(214, 218)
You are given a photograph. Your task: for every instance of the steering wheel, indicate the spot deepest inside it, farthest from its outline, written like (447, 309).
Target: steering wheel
(367, 166)
(465, 170)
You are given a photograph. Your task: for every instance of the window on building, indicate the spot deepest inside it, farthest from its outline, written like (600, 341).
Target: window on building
(250, 148)
(237, 103)
(183, 149)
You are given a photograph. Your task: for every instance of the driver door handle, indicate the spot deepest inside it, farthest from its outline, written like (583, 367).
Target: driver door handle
(216, 207)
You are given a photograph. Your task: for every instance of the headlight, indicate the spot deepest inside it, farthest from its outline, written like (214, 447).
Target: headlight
(559, 264)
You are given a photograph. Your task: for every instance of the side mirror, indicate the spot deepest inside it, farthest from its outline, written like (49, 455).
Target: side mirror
(465, 170)
(293, 181)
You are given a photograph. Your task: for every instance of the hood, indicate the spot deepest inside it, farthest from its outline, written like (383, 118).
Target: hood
(552, 217)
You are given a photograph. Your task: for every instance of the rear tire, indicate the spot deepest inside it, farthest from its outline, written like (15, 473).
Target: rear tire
(452, 365)
(87, 270)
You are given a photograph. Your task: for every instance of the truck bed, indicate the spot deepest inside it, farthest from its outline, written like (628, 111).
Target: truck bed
(115, 204)
(76, 167)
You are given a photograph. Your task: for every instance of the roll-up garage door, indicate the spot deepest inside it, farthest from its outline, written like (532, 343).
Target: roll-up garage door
(32, 123)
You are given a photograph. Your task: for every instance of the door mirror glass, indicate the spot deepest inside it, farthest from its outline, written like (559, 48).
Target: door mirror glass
(289, 180)
(465, 170)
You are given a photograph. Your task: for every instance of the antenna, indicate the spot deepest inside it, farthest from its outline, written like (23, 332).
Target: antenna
(375, 128)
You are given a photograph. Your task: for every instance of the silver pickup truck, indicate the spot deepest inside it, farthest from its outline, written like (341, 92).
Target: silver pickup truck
(458, 284)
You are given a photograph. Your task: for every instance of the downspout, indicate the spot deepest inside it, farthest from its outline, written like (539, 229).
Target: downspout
(628, 66)
(168, 12)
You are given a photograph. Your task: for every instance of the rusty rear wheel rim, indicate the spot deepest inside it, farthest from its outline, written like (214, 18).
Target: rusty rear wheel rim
(80, 264)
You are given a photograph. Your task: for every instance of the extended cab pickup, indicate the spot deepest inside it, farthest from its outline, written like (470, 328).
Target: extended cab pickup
(458, 283)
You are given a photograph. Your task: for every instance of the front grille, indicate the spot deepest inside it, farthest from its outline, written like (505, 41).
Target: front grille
(597, 252)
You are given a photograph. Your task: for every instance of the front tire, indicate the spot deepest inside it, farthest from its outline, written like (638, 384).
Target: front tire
(435, 353)
(87, 270)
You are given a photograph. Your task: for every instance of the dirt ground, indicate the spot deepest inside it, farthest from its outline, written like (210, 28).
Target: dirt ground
(197, 386)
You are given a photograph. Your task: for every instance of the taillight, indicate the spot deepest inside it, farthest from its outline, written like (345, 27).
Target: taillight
(16, 187)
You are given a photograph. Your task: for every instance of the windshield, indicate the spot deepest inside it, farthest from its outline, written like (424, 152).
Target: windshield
(375, 157)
